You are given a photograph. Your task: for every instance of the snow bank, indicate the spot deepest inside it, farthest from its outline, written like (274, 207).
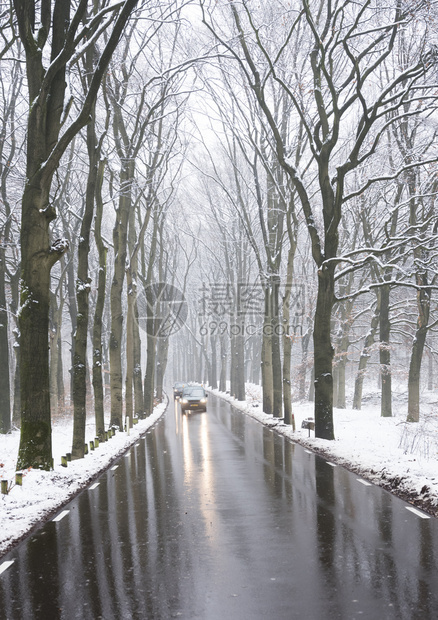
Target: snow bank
(43, 493)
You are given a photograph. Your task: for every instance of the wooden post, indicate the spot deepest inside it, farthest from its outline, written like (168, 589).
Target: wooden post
(5, 487)
(68, 455)
(19, 478)
(64, 461)
(96, 442)
(86, 448)
(91, 445)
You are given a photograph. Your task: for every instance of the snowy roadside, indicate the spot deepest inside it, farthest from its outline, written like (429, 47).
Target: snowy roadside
(400, 457)
(43, 493)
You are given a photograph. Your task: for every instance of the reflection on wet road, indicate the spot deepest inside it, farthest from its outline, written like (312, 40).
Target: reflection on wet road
(213, 516)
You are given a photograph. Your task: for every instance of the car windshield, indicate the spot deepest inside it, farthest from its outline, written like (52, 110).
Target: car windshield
(197, 392)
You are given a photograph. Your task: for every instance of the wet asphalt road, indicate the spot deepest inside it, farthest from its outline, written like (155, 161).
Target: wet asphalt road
(213, 516)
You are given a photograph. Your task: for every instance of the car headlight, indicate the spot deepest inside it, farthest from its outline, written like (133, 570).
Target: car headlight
(184, 401)
(203, 400)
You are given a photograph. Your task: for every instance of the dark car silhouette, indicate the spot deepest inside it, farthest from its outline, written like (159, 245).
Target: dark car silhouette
(178, 389)
(193, 398)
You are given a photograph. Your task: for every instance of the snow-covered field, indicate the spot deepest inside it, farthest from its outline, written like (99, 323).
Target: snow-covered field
(387, 451)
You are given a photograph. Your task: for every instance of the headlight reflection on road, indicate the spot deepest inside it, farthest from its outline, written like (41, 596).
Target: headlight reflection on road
(187, 452)
(206, 485)
(198, 475)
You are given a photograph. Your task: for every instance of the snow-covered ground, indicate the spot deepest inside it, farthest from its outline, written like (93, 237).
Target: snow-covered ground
(44, 492)
(387, 451)
(399, 456)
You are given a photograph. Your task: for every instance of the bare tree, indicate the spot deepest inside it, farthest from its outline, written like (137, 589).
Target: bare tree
(344, 122)
(50, 38)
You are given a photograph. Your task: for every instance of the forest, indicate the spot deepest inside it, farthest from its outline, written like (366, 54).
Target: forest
(221, 192)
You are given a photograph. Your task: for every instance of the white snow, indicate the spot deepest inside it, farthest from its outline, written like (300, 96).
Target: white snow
(389, 452)
(386, 451)
(44, 492)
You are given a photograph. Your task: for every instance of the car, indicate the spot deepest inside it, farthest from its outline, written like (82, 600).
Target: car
(178, 389)
(193, 398)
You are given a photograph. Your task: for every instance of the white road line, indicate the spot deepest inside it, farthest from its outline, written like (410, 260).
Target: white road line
(308, 451)
(113, 468)
(364, 482)
(5, 565)
(417, 512)
(127, 455)
(94, 486)
(61, 515)
(331, 464)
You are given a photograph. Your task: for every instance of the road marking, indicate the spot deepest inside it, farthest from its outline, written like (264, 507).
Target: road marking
(331, 464)
(5, 565)
(364, 482)
(136, 445)
(308, 451)
(61, 515)
(127, 455)
(417, 512)
(94, 486)
(113, 468)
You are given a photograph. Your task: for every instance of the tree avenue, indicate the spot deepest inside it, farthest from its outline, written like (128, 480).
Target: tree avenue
(227, 193)
(344, 116)
(50, 41)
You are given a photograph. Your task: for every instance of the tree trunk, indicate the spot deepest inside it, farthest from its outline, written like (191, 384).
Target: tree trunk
(240, 362)
(5, 391)
(16, 409)
(385, 354)
(365, 356)
(342, 365)
(151, 349)
(423, 303)
(267, 378)
(55, 357)
(98, 312)
(335, 382)
(305, 340)
(137, 376)
(213, 367)
(312, 384)
(162, 355)
(277, 381)
(120, 233)
(149, 379)
(287, 355)
(287, 340)
(82, 294)
(233, 365)
(323, 353)
(129, 380)
(223, 371)
(37, 258)
(255, 346)
(73, 312)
